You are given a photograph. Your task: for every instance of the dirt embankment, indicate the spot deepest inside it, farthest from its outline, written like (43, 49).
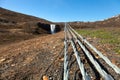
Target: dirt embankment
(28, 59)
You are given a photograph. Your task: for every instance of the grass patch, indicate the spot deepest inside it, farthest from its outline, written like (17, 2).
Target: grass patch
(106, 36)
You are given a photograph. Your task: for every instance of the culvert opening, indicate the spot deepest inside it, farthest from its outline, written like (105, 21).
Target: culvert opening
(52, 28)
(47, 28)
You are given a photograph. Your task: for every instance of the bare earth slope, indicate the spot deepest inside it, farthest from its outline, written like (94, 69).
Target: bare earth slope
(29, 59)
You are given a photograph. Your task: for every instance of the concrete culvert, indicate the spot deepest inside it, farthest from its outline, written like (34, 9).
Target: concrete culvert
(52, 28)
(47, 28)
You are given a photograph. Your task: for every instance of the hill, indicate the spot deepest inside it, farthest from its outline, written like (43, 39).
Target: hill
(16, 26)
(15, 17)
(110, 22)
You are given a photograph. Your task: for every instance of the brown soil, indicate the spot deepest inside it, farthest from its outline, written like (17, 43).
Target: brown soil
(41, 56)
(28, 59)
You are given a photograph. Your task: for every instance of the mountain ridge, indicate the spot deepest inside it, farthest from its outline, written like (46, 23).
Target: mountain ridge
(109, 22)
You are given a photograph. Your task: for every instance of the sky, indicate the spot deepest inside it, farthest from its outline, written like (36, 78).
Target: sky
(65, 10)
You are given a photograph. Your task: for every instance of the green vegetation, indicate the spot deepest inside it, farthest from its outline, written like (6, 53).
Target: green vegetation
(106, 36)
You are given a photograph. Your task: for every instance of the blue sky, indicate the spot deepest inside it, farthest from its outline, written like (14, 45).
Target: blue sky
(65, 10)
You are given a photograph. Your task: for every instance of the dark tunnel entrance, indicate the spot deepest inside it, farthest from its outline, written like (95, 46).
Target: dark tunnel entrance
(46, 28)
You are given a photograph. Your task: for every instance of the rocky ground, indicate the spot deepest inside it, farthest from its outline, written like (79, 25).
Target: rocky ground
(39, 58)
(28, 59)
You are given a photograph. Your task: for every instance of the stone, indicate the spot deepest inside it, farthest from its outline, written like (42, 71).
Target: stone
(45, 78)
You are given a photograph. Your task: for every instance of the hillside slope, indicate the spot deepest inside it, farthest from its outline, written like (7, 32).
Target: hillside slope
(15, 26)
(110, 22)
(16, 17)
